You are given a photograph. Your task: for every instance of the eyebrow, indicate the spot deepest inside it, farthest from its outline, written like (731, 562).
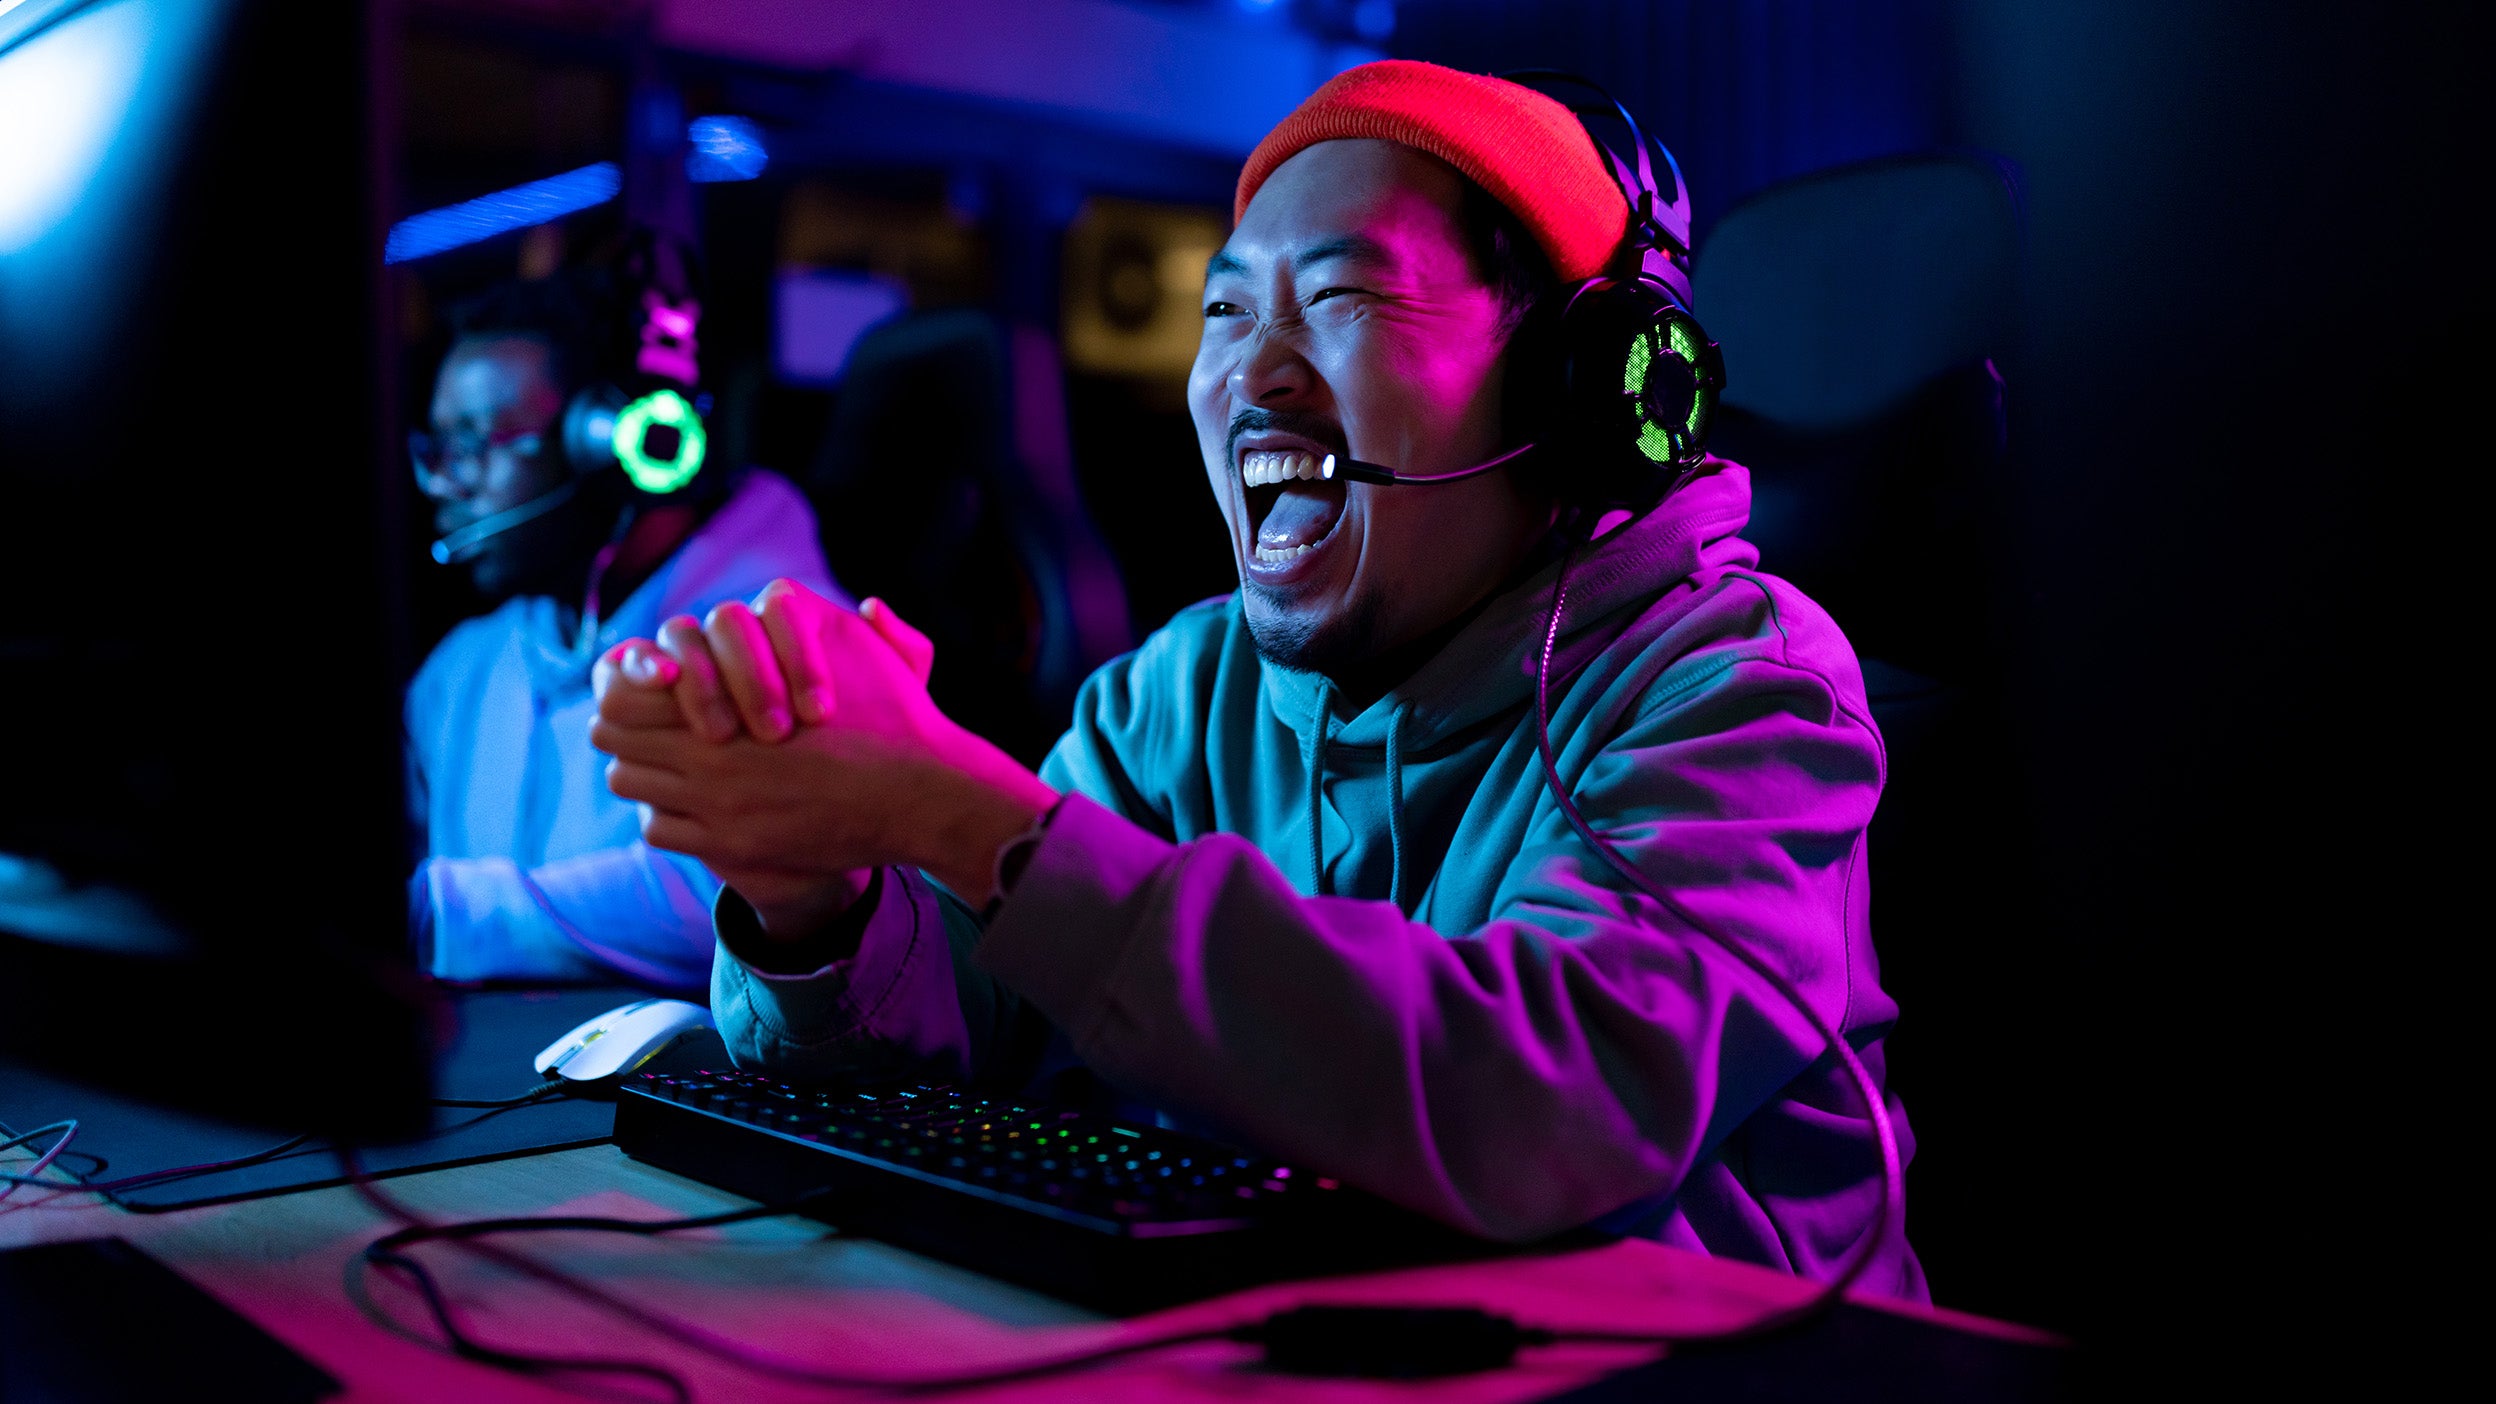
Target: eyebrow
(1354, 246)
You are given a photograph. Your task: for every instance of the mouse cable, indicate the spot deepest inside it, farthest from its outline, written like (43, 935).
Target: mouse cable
(534, 1094)
(112, 1190)
(1893, 1178)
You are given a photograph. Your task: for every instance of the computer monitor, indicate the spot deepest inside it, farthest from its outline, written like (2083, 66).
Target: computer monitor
(203, 836)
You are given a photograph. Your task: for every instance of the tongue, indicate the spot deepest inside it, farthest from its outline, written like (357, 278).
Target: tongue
(1301, 516)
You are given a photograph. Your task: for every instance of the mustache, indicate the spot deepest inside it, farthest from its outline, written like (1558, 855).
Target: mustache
(1315, 428)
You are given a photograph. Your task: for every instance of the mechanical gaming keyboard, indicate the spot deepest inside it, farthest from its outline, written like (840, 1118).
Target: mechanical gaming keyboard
(1106, 1213)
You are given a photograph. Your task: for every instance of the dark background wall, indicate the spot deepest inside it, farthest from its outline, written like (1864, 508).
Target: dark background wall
(2238, 416)
(1745, 93)
(2241, 404)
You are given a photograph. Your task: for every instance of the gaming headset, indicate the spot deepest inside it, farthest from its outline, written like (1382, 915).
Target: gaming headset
(1626, 395)
(649, 424)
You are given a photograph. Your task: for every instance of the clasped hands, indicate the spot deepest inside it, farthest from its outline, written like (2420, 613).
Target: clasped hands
(791, 746)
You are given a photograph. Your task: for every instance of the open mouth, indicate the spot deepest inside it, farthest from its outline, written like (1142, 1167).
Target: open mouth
(1292, 510)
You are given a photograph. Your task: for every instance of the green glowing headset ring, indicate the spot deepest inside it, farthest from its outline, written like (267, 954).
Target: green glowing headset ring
(660, 442)
(1670, 377)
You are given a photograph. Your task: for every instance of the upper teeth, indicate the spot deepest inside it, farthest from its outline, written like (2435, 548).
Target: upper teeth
(1265, 466)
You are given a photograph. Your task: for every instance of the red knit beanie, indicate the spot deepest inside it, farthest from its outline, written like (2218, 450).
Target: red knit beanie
(1527, 150)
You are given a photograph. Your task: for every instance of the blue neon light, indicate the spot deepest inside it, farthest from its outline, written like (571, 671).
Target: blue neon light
(724, 148)
(456, 226)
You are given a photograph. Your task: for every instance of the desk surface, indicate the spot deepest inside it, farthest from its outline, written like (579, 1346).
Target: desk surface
(291, 1263)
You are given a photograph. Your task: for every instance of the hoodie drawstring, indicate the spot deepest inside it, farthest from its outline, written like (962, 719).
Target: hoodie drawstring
(1317, 777)
(1324, 736)
(1395, 804)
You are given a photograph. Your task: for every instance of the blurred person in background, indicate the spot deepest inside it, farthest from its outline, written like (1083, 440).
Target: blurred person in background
(533, 870)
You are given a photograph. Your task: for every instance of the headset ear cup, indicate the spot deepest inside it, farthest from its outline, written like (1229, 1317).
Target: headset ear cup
(1673, 375)
(1642, 380)
(1605, 320)
(589, 428)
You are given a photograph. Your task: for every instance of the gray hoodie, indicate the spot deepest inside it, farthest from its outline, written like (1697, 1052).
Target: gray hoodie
(1372, 944)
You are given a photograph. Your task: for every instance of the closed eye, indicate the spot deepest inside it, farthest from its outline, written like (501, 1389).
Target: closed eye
(1325, 293)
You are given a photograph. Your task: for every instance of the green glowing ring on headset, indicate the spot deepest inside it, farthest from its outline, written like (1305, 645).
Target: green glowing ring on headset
(1665, 443)
(660, 409)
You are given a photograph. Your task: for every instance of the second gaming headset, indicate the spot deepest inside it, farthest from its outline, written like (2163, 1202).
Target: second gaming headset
(1625, 384)
(648, 422)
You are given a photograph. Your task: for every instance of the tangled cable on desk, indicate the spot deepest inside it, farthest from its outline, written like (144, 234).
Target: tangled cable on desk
(43, 1162)
(391, 1251)
(1374, 1341)
(113, 1190)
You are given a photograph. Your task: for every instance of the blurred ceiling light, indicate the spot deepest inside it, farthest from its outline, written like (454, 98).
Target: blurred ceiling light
(471, 221)
(724, 148)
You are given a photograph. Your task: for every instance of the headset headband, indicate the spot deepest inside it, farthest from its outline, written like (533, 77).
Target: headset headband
(1655, 244)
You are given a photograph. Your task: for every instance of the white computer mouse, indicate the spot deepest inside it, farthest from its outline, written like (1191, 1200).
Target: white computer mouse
(620, 1040)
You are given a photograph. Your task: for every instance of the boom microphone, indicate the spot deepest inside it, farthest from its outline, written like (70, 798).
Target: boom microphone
(1354, 470)
(463, 543)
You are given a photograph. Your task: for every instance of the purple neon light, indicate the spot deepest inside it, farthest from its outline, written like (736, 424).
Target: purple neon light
(667, 343)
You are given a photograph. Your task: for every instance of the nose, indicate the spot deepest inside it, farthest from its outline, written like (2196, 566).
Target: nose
(1273, 372)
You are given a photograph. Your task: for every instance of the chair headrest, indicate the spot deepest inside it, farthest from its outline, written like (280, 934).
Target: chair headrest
(1837, 295)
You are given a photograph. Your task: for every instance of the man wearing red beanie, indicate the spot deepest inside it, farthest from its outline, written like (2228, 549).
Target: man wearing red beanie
(1294, 874)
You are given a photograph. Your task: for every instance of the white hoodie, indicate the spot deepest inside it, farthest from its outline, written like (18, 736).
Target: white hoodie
(535, 870)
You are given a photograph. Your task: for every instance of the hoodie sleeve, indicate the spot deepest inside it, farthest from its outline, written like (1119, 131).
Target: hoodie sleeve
(909, 997)
(1581, 1052)
(632, 910)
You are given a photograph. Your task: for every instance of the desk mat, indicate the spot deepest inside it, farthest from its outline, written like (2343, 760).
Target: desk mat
(499, 1031)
